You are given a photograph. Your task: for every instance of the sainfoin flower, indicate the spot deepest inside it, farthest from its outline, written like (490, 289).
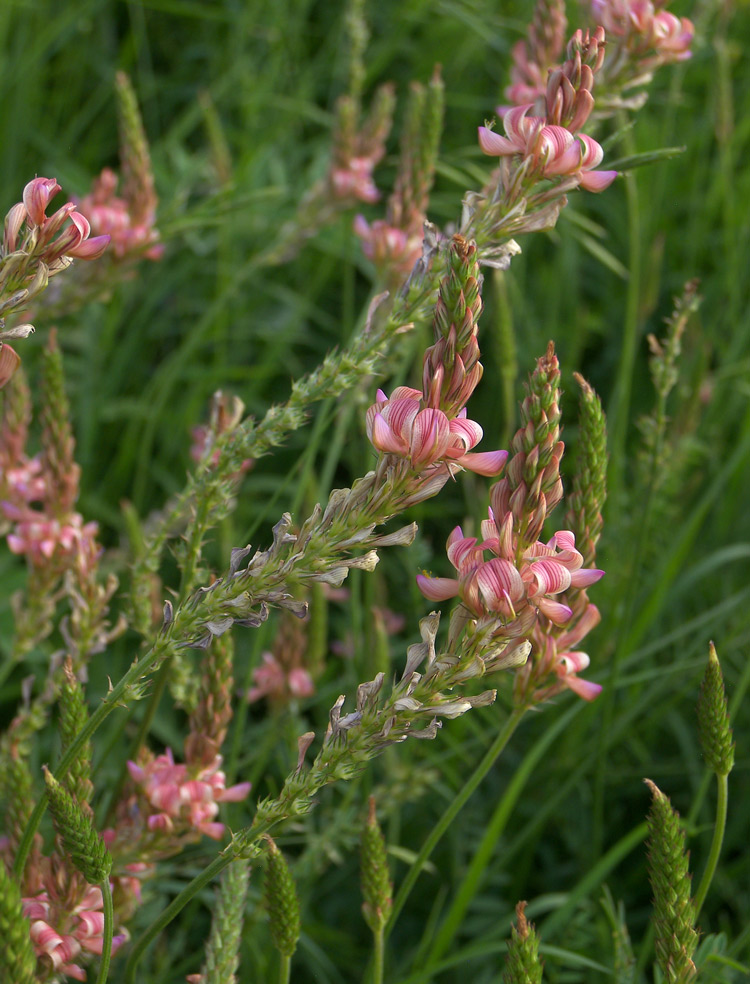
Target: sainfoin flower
(553, 150)
(42, 537)
(425, 436)
(556, 656)
(131, 233)
(83, 932)
(185, 798)
(514, 592)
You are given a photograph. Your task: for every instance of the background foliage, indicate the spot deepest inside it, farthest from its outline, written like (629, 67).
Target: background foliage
(237, 98)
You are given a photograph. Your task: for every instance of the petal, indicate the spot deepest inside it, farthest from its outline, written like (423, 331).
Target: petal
(384, 439)
(592, 154)
(582, 579)
(551, 577)
(584, 688)
(234, 794)
(556, 612)
(468, 432)
(90, 249)
(437, 588)
(489, 463)
(493, 144)
(500, 584)
(596, 180)
(430, 436)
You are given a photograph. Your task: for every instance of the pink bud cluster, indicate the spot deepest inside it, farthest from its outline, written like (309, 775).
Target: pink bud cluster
(180, 800)
(72, 238)
(131, 233)
(645, 28)
(59, 937)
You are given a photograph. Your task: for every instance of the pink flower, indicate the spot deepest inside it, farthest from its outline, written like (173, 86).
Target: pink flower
(554, 151)
(184, 798)
(672, 36)
(41, 537)
(387, 245)
(354, 180)
(113, 216)
(426, 436)
(37, 195)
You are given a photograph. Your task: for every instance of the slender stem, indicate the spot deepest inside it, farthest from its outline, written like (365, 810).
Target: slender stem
(176, 905)
(452, 812)
(110, 702)
(722, 797)
(285, 968)
(109, 920)
(377, 955)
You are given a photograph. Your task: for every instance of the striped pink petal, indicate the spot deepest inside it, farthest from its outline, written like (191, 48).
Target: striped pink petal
(551, 577)
(430, 436)
(468, 432)
(384, 439)
(500, 585)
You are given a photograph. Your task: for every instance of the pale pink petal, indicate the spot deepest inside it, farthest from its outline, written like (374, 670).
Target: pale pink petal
(213, 830)
(384, 439)
(234, 794)
(495, 145)
(551, 578)
(90, 249)
(596, 180)
(468, 432)
(489, 463)
(582, 579)
(592, 154)
(430, 437)
(584, 688)
(555, 611)
(437, 588)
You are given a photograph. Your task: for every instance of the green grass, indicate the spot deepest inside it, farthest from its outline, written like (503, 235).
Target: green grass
(561, 814)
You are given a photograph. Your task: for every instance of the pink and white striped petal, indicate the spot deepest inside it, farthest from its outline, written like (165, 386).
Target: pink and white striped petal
(437, 588)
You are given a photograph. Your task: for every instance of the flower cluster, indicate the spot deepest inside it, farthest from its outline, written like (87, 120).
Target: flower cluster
(59, 934)
(645, 29)
(551, 146)
(429, 428)
(131, 230)
(511, 586)
(179, 801)
(358, 147)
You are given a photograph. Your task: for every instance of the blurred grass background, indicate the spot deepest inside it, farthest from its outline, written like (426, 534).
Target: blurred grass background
(237, 98)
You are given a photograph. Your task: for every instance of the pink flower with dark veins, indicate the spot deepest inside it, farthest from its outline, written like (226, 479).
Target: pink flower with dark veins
(426, 435)
(554, 151)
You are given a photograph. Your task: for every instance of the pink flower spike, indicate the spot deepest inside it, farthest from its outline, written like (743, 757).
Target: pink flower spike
(437, 588)
(36, 197)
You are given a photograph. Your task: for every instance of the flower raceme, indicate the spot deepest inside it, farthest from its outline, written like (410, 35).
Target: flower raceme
(552, 150)
(502, 587)
(645, 27)
(425, 435)
(183, 797)
(84, 931)
(73, 240)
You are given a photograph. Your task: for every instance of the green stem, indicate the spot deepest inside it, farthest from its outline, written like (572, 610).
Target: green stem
(138, 670)
(176, 905)
(722, 797)
(285, 968)
(452, 812)
(377, 955)
(109, 919)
